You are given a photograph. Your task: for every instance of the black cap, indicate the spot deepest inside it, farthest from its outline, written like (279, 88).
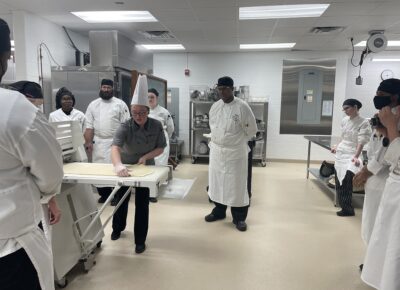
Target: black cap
(154, 91)
(225, 81)
(29, 89)
(352, 103)
(391, 86)
(5, 43)
(62, 92)
(107, 82)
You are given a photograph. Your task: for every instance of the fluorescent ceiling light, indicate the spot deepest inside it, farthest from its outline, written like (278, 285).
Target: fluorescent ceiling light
(115, 16)
(386, 59)
(12, 48)
(390, 43)
(267, 45)
(163, 46)
(12, 43)
(282, 11)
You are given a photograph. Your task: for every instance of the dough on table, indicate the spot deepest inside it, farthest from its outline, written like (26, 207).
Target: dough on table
(104, 169)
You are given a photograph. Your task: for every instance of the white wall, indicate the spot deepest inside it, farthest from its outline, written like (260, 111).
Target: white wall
(262, 71)
(31, 30)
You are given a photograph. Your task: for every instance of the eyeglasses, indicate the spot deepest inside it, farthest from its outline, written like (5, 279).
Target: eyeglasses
(139, 114)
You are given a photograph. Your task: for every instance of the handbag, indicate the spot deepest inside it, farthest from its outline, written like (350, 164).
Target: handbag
(327, 169)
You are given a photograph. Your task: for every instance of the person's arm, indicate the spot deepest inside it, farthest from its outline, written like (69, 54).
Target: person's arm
(89, 135)
(363, 137)
(150, 155)
(249, 124)
(40, 152)
(161, 143)
(170, 125)
(119, 168)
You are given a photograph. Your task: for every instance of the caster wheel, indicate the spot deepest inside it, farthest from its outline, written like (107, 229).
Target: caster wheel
(98, 245)
(263, 163)
(193, 160)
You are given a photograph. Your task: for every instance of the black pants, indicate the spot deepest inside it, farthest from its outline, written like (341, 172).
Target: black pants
(104, 192)
(18, 273)
(238, 213)
(142, 195)
(345, 192)
(250, 165)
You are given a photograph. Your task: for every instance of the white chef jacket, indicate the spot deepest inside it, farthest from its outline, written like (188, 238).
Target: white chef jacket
(105, 116)
(375, 184)
(161, 114)
(382, 262)
(75, 115)
(232, 126)
(354, 131)
(30, 165)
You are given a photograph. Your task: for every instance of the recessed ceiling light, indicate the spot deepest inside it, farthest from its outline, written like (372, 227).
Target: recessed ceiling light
(12, 48)
(267, 45)
(386, 59)
(282, 11)
(390, 43)
(115, 16)
(12, 43)
(163, 46)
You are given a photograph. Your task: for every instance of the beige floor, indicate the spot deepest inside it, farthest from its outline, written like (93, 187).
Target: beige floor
(295, 241)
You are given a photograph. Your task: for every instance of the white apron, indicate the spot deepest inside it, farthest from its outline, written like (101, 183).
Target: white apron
(228, 175)
(162, 159)
(101, 152)
(373, 193)
(382, 262)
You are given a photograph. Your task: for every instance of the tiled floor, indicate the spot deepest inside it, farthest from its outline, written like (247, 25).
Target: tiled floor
(295, 241)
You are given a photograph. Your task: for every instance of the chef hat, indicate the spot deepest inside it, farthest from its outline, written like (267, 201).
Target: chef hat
(352, 103)
(140, 95)
(391, 86)
(5, 43)
(107, 82)
(28, 89)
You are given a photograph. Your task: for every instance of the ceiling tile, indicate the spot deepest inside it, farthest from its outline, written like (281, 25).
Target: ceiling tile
(206, 14)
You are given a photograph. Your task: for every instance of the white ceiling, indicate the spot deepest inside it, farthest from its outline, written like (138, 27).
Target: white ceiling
(213, 25)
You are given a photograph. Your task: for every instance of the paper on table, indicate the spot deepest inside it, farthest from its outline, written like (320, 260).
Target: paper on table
(104, 169)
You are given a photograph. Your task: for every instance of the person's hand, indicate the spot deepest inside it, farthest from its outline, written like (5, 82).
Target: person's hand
(333, 149)
(89, 147)
(142, 160)
(361, 177)
(387, 118)
(356, 161)
(121, 170)
(54, 211)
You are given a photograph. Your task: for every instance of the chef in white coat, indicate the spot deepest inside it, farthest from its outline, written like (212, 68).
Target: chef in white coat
(103, 117)
(356, 132)
(232, 125)
(373, 176)
(382, 261)
(65, 102)
(30, 166)
(161, 114)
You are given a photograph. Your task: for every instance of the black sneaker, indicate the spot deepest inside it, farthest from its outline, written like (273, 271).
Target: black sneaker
(345, 213)
(240, 225)
(212, 218)
(153, 199)
(102, 200)
(140, 248)
(114, 201)
(115, 235)
(361, 267)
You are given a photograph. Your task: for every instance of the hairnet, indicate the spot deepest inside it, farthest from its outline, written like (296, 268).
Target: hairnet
(62, 92)
(5, 43)
(107, 82)
(225, 81)
(154, 91)
(352, 103)
(29, 89)
(391, 86)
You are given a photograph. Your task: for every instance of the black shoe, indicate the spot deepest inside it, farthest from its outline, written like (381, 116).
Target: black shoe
(153, 199)
(115, 235)
(345, 213)
(140, 248)
(240, 225)
(114, 201)
(361, 267)
(102, 200)
(212, 218)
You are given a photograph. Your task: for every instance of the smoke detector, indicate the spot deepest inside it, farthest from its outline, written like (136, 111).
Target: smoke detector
(323, 30)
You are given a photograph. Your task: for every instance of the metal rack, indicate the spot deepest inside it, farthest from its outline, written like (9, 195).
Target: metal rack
(198, 125)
